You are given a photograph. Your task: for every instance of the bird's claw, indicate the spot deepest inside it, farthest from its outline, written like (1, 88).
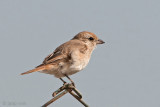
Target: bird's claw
(65, 83)
(73, 84)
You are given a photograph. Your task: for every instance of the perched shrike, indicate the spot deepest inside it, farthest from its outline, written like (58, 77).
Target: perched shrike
(70, 57)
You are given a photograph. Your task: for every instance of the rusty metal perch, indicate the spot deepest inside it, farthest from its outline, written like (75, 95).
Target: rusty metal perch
(64, 90)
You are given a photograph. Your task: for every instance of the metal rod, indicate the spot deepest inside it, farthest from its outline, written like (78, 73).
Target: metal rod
(55, 98)
(77, 92)
(58, 91)
(64, 90)
(79, 99)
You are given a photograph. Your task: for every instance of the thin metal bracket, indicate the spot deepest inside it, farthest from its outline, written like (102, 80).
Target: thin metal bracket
(67, 87)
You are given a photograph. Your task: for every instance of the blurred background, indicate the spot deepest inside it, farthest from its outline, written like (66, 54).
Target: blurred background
(124, 72)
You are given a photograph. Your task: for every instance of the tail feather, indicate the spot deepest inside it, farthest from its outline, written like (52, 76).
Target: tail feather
(45, 67)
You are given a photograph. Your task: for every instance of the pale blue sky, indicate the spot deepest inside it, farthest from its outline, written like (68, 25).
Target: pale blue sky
(124, 72)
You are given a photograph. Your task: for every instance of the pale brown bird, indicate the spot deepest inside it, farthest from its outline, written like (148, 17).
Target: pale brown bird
(70, 57)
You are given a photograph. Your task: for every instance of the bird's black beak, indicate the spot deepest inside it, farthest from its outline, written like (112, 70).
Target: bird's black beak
(100, 41)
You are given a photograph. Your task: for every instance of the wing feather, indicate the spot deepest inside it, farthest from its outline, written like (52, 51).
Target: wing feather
(58, 54)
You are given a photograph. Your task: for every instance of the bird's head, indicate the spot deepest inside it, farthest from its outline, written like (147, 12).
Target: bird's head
(89, 38)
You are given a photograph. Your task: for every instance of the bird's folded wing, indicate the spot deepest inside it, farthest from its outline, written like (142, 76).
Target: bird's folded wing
(58, 54)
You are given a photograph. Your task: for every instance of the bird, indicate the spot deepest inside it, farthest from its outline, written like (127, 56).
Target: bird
(70, 57)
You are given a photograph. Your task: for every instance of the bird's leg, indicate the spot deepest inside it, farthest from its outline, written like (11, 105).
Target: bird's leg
(70, 80)
(63, 81)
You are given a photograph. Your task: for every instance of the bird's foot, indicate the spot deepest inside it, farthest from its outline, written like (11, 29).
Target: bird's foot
(73, 84)
(65, 83)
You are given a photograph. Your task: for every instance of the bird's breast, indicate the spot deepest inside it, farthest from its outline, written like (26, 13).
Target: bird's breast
(77, 62)
(78, 65)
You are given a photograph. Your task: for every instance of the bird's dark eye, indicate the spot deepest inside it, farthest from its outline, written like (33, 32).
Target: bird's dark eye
(91, 38)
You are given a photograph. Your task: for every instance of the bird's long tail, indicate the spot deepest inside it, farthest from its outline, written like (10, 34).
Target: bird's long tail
(41, 68)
